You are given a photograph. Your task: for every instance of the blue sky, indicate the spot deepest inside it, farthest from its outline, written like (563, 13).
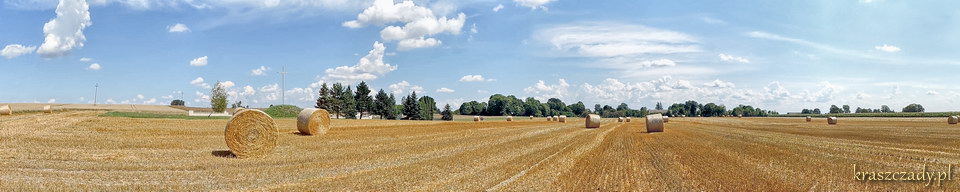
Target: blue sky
(780, 55)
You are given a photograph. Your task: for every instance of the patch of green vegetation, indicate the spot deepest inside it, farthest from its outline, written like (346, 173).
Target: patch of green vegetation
(279, 111)
(923, 114)
(154, 115)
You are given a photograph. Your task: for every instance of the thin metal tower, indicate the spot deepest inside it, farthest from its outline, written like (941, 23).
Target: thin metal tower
(96, 92)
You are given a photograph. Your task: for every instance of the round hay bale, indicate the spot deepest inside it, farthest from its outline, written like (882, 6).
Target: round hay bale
(683, 115)
(666, 119)
(654, 123)
(809, 119)
(627, 119)
(6, 110)
(563, 119)
(313, 121)
(251, 133)
(953, 119)
(481, 118)
(549, 118)
(619, 119)
(531, 117)
(593, 121)
(740, 116)
(47, 109)
(832, 120)
(509, 118)
(476, 118)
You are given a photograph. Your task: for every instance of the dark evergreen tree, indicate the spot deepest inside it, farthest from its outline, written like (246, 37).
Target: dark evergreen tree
(411, 107)
(447, 114)
(363, 99)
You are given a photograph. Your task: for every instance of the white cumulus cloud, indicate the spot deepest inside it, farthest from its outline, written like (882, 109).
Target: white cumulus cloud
(65, 32)
(15, 50)
(543, 91)
(498, 8)
(199, 82)
(369, 67)
(94, 67)
(404, 87)
(178, 28)
(200, 61)
(475, 78)
(259, 71)
(417, 23)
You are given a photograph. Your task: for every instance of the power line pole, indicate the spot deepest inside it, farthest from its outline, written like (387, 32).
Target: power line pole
(283, 73)
(96, 92)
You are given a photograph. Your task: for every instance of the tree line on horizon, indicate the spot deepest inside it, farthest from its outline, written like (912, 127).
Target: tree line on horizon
(342, 101)
(911, 108)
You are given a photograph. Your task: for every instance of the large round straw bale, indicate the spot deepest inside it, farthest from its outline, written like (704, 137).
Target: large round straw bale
(238, 109)
(531, 117)
(549, 118)
(509, 118)
(313, 121)
(47, 109)
(476, 118)
(953, 119)
(593, 121)
(6, 110)
(740, 116)
(251, 133)
(654, 123)
(627, 119)
(832, 120)
(666, 119)
(809, 119)
(619, 119)
(563, 118)
(481, 118)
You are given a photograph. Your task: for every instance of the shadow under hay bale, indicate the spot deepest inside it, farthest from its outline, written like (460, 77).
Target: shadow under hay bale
(223, 153)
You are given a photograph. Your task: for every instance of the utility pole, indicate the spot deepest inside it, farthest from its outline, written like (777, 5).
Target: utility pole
(96, 92)
(283, 73)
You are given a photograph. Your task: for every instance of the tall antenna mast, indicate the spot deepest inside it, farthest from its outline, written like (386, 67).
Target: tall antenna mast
(96, 92)
(283, 73)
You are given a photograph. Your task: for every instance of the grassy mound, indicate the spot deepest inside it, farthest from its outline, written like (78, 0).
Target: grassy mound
(283, 111)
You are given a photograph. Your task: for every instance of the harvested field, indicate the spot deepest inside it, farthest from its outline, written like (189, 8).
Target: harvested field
(78, 150)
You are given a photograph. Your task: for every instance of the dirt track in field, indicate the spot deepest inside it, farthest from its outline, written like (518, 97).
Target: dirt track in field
(78, 150)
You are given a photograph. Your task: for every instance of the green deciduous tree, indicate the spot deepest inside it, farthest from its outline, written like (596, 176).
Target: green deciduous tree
(428, 107)
(218, 98)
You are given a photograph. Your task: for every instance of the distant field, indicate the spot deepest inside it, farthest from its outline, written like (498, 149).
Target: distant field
(925, 114)
(85, 150)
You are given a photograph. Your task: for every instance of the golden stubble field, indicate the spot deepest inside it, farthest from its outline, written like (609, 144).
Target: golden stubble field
(76, 150)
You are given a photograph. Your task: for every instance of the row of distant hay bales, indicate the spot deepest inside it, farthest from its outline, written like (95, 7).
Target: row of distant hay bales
(654, 122)
(253, 133)
(7, 110)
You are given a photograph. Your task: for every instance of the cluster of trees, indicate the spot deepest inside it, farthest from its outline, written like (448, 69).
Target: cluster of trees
(622, 110)
(499, 105)
(883, 109)
(177, 103)
(694, 109)
(344, 101)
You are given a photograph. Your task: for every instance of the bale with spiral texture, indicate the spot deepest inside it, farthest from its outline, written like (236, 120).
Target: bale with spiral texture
(654, 123)
(549, 118)
(251, 133)
(953, 119)
(832, 120)
(627, 119)
(593, 121)
(6, 110)
(476, 118)
(313, 121)
(619, 119)
(47, 109)
(563, 118)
